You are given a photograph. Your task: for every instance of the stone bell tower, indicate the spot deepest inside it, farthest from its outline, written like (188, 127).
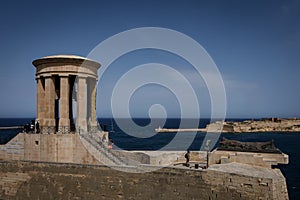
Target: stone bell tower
(60, 80)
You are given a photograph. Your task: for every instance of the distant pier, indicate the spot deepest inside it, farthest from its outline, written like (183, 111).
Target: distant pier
(173, 130)
(10, 127)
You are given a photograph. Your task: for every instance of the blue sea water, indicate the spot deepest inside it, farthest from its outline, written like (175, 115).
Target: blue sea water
(288, 143)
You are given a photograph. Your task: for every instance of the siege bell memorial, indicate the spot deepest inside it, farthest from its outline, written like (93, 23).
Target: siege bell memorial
(58, 79)
(68, 158)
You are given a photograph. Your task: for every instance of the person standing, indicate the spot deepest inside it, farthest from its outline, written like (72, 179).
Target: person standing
(37, 127)
(187, 157)
(32, 126)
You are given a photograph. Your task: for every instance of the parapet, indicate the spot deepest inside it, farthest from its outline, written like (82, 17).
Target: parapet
(251, 158)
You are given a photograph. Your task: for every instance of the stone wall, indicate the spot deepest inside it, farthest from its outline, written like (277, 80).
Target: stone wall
(69, 148)
(14, 149)
(250, 158)
(175, 157)
(164, 158)
(65, 148)
(31, 180)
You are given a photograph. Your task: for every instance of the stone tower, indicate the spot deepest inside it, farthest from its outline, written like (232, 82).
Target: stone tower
(60, 80)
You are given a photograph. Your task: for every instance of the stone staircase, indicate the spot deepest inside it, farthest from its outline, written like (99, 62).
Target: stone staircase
(95, 146)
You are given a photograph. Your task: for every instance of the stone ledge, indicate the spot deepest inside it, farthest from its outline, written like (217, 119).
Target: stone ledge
(247, 170)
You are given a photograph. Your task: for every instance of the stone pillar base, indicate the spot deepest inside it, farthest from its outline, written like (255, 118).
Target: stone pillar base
(48, 130)
(64, 126)
(64, 129)
(93, 126)
(49, 122)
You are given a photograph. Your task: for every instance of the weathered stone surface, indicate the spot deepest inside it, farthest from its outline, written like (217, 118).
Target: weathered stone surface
(260, 147)
(10, 182)
(66, 148)
(73, 149)
(250, 158)
(69, 181)
(81, 123)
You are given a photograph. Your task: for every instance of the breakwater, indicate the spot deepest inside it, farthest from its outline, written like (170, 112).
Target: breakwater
(10, 127)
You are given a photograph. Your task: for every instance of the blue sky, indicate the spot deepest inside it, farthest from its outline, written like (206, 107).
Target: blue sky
(255, 45)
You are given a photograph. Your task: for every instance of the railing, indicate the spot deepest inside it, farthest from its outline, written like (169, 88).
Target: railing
(48, 129)
(53, 130)
(64, 129)
(67, 129)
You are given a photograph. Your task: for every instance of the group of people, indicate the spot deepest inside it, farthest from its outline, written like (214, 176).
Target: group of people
(33, 127)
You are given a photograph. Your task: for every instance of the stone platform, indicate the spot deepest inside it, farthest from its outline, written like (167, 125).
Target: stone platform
(70, 166)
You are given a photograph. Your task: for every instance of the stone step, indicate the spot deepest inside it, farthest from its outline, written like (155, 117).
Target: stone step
(102, 151)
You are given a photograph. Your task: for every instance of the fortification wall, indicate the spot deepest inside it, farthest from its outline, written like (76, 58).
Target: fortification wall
(163, 157)
(65, 148)
(69, 148)
(250, 158)
(29, 180)
(14, 149)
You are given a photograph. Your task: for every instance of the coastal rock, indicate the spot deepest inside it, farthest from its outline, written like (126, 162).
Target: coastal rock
(263, 125)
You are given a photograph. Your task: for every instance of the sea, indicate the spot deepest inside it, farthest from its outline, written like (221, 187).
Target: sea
(142, 136)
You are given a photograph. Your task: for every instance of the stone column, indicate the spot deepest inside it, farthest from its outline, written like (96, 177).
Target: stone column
(71, 90)
(64, 120)
(92, 103)
(40, 102)
(49, 114)
(81, 116)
